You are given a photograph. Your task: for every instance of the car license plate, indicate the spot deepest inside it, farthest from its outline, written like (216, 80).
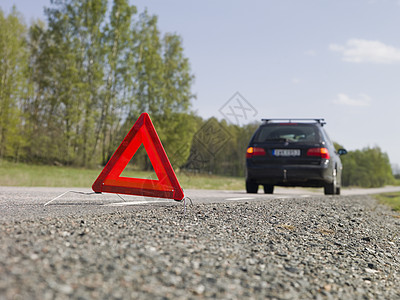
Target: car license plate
(286, 152)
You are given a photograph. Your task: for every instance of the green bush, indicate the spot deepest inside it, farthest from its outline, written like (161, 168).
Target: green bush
(369, 167)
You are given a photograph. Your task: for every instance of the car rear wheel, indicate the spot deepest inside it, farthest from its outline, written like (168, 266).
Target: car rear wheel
(331, 188)
(251, 187)
(268, 189)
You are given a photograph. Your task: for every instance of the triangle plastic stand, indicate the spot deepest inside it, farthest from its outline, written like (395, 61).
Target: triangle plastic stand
(167, 185)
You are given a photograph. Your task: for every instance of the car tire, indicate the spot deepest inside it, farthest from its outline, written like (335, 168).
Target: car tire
(331, 188)
(251, 187)
(338, 191)
(268, 189)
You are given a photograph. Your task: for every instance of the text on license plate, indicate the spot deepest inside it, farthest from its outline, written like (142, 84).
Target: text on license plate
(286, 152)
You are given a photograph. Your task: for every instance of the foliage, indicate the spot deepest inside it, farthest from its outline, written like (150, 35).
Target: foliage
(13, 84)
(74, 86)
(219, 148)
(369, 167)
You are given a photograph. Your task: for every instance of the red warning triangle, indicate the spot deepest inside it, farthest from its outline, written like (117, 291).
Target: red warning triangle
(167, 185)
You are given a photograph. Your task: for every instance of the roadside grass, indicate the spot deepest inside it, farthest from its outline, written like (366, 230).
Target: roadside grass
(19, 174)
(390, 199)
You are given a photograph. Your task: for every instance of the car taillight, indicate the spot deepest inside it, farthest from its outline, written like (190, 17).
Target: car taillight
(254, 151)
(320, 152)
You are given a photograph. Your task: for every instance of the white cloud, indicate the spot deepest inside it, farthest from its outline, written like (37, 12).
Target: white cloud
(361, 51)
(361, 100)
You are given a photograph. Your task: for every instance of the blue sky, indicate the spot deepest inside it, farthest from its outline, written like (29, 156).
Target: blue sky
(339, 60)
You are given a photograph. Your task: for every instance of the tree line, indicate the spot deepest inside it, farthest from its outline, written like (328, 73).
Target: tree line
(72, 87)
(368, 167)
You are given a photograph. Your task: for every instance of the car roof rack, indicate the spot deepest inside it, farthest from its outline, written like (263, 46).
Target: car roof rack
(290, 120)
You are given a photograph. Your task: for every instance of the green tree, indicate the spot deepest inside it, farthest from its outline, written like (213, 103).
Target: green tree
(56, 82)
(176, 124)
(88, 19)
(35, 107)
(148, 65)
(13, 83)
(70, 56)
(90, 73)
(219, 147)
(118, 44)
(369, 167)
(162, 87)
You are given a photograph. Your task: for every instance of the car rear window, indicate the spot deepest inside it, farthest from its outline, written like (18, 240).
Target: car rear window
(294, 133)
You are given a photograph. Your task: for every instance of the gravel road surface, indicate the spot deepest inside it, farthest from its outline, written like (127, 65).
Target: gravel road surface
(288, 247)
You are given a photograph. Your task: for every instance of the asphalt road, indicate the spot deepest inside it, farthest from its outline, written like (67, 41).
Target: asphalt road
(294, 244)
(18, 203)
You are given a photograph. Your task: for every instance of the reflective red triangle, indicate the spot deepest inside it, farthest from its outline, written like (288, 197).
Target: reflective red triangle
(167, 185)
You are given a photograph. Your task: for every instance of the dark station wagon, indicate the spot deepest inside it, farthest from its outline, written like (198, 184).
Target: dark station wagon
(293, 152)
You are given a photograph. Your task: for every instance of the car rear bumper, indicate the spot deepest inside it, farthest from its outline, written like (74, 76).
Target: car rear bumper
(291, 175)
